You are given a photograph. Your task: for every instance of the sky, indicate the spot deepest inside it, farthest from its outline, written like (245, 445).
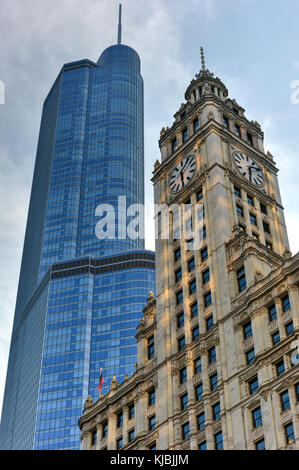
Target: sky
(251, 45)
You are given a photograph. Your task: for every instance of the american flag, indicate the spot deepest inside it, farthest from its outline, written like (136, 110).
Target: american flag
(101, 380)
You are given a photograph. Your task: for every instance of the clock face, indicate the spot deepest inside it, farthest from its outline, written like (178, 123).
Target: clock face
(248, 168)
(182, 174)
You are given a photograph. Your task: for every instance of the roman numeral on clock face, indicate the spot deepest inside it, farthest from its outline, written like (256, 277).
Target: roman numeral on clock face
(182, 174)
(248, 168)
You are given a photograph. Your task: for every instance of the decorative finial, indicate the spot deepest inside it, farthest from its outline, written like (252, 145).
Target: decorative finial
(119, 26)
(203, 64)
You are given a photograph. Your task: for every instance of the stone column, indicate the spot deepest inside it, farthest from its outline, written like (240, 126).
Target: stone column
(175, 388)
(278, 306)
(85, 440)
(193, 430)
(111, 439)
(99, 435)
(141, 415)
(209, 425)
(257, 331)
(190, 374)
(125, 410)
(294, 301)
(293, 403)
(177, 433)
(268, 421)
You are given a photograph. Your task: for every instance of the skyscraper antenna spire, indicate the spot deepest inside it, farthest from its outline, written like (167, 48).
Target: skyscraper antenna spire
(119, 26)
(203, 63)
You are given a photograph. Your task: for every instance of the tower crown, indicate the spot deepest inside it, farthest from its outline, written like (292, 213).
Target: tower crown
(205, 83)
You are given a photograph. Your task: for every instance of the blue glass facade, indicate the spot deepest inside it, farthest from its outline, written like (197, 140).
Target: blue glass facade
(79, 298)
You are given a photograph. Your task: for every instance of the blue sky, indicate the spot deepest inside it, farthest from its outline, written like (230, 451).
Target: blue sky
(251, 45)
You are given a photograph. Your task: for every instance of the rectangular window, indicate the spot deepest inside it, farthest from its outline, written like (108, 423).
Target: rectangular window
(266, 227)
(207, 299)
(152, 422)
(151, 347)
(216, 411)
(289, 433)
(153, 446)
(201, 421)
(180, 320)
(240, 210)
(131, 411)
(185, 134)
(237, 191)
(131, 435)
(285, 400)
(285, 303)
(151, 397)
(204, 254)
(174, 145)
(250, 356)
(119, 443)
(197, 365)
(226, 122)
(250, 138)
(179, 297)
(199, 195)
(252, 218)
(238, 130)
(260, 445)
(183, 375)
(212, 354)
(289, 328)
(178, 275)
(177, 254)
(191, 264)
(195, 124)
(250, 200)
(93, 437)
(185, 431)
(194, 310)
(184, 401)
(257, 417)
(198, 391)
(263, 208)
(120, 419)
(253, 386)
(202, 446)
(247, 330)
(241, 279)
(218, 440)
(206, 276)
(209, 322)
(275, 337)
(105, 429)
(192, 287)
(272, 312)
(181, 343)
(204, 232)
(280, 368)
(195, 333)
(188, 225)
(297, 390)
(214, 382)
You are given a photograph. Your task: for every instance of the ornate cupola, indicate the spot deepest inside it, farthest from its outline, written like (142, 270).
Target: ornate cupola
(205, 83)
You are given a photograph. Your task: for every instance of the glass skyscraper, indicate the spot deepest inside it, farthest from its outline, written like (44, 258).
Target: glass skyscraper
(80, 298)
